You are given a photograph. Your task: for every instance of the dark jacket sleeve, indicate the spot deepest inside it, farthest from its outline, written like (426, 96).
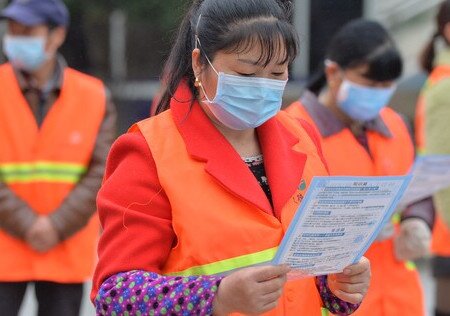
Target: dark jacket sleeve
(76, 210)
(16, 216)
(423, 210)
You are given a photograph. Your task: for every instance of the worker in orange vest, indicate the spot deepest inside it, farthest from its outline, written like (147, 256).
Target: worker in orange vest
(362, 137)
(432, 137)
(206, 188)
(56, 126)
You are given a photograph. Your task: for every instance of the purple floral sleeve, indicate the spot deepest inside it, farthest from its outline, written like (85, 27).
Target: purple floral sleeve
(145, 293)
(334, 304)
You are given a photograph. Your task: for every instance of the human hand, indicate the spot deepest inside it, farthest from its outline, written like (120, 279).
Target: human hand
(413, 241)
(351, 285)
(251, 291)
(42, 235)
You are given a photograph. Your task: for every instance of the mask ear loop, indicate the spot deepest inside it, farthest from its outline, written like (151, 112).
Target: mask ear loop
(197, 82)
(198, 45)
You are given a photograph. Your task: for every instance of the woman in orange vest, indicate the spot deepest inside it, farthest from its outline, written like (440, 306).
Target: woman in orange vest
(208, 186)
(361, 137)
(432, 137)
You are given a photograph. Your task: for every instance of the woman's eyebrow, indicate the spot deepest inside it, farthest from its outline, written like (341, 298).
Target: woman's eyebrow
(257, 63)
(248, 61)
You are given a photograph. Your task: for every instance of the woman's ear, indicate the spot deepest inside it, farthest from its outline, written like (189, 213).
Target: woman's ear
(333, 74)
(446, 32)
(197, 65)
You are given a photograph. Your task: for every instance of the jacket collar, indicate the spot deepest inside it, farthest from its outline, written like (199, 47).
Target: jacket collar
(27, 83)
(284, 166)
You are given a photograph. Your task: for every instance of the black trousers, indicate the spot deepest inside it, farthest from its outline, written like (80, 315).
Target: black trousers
(53, 298)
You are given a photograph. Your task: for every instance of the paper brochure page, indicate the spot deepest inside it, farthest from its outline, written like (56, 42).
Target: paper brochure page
(429, 175)
(337, 221)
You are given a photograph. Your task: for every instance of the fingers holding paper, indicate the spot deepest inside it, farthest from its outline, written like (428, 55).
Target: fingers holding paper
(352, 284)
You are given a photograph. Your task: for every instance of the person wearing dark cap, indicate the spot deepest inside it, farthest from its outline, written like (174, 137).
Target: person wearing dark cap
(56, 127)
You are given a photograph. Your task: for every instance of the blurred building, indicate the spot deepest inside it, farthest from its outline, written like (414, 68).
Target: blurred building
(125, 42)
(318, 20)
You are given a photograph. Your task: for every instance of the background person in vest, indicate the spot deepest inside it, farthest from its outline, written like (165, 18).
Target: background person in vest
(433, 137)
(210, 184)
(361, 137)
(56, 126)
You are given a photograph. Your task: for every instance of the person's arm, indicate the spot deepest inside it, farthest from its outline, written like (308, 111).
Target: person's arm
(149, 292)
(423, 210)
(414, 238)
(437, 138)
(136, 217)
(76, 210)
(16, 216)
(416, 223)
(331, 302)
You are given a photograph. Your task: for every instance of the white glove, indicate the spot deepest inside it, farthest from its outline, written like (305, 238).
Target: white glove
(413, 241)
(386, 232)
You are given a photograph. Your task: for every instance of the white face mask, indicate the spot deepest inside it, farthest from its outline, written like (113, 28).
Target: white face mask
(363, 103)
(25, 52)
(243, 103)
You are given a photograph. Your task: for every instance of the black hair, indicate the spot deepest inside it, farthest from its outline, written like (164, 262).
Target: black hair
(362, 42)
(429, 52)
(229, 26)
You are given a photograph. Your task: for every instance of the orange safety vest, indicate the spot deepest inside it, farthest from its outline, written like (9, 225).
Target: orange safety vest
(395, 287)
(441, 233)
(232, 233)
(42, 166)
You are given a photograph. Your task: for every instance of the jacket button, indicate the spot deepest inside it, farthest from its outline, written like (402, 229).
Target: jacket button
(290, 295)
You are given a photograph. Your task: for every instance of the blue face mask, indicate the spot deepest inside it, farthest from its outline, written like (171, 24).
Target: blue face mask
(25, 52)
(245, 102)
(363, 103)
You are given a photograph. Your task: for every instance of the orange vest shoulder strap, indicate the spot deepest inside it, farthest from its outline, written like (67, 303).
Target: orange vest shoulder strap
(297, 110)
(439, 73)
(302, 129)
(6, 70)
(88, 85)
(395, 121)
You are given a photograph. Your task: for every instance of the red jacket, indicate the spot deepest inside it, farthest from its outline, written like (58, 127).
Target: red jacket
(135, 211)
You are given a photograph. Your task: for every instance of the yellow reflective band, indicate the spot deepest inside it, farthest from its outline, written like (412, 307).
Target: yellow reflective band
(396, 218)
(41, 171)
(411, 266)
(42, 165)
(420, 151)
(40, 178)
(325, 312)
(229, 264)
